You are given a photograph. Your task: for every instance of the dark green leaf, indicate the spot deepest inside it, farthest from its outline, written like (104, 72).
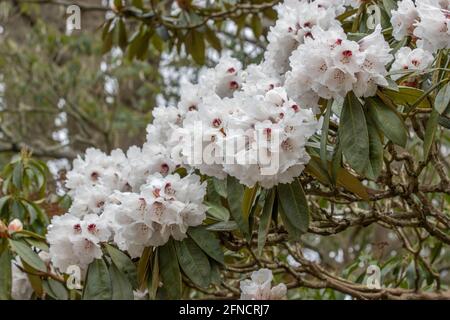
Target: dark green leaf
(195, 45)
(376, 151)
(218, 211)
(121, 286)
(28, 255)
(213, 40)
(169, 271)
(208, 242)
(264, 221)
(295, 206)
(17, 177)
(353, 134)
(223, 226)
(193, 262)
(123, 264)
(442, 101)
(388, 121)
(98, 282)
(235, 199)
(55, 289)
(122, 37)
(430, 133)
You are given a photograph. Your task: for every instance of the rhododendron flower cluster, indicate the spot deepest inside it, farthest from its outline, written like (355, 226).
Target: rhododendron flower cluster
(166, 206)
(76, 241)
(407, 59)
(260, 287)
(329, 65)
(426, 20)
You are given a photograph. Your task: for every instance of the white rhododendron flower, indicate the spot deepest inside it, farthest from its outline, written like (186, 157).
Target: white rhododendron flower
(76, 241)
(165, 207)
(403, 19)
(408, 59)
(260, 287)
(433, 28)
(20, 287)
(330, 66)
(296, 20)
(426, 20)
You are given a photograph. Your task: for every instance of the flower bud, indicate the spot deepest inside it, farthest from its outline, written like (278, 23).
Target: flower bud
(3, 229)
(15, 226)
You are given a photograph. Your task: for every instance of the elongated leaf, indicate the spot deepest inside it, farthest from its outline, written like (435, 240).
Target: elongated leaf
(407, 96)
(98, 282)
(144, 266)
(121, 286)
(193, 262)
(314, 168)
(122, 37)
(324, 135)
(376, 151)
(223, 226)
(349, 182)
(218, 211)
(295, 206)
(208, 242)
(247, 203)
(195, 46)
(213, 40)
(353, 134)
(28, 255)
(293, 232)
(235, 199)
(35, 281)
(388, 121)
(5, 275)
(17, 177)
(220, 186)
(344, 178)
(154, 279)
(123, 264)
(3, 202)
(264, 221)
(430, 133)
(169, 271)
(55, 289)
(442, 101)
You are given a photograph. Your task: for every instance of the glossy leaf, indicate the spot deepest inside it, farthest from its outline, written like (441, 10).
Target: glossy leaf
(235, 199)
(430, 133)
(265, 219)
(376, 152)
(388, 121)
(123, 264)
(55, 289)
(169, 271)
(208, 242)
(353, 134)
(121, 286)
(442, 101)
(295, 206)
(217, 211)
(28, 255)
(98, 282)
(193, 262)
